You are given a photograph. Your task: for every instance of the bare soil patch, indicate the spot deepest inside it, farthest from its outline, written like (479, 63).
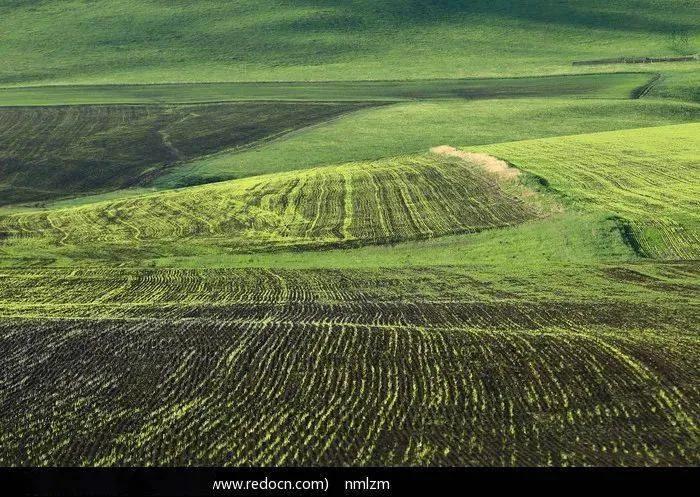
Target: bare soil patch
(485, 161)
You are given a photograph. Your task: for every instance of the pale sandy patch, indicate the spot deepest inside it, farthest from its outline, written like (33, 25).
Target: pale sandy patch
(485, 161)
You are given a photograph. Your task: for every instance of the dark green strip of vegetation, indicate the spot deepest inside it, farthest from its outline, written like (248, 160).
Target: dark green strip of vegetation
(612, 85)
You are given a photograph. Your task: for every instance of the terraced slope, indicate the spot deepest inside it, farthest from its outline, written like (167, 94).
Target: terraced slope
(50, 152)
(649, 177)
(331, 367)
(359, 203)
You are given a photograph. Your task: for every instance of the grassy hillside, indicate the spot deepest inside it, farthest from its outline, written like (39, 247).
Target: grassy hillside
(648, 177)
(642, 180)
(116, 41)
(506, 347)
(556, 241)
(679, 84)
(416, 127)
(49, 152)
(55, 151)
(393, 200)
(45, 145)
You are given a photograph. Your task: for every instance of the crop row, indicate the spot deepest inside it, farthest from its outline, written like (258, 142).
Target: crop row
(376, 202)
(129, 292)
(444, 366)
(135, 392)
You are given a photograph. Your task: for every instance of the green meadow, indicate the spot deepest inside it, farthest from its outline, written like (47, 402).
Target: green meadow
(426, 124)
(127, 41)
(366, 233)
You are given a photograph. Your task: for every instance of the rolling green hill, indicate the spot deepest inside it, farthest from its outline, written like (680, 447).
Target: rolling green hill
(120, 41)
(649, 177)
(377, 202)
(58, 150)
(642, 180)
(376, 133)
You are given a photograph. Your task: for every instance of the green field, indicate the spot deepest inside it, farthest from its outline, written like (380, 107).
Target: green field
(355, 204)
(647, 177)
(292, 233)
(249, 366)
(128, 41)
(616, 85)
(424, 125)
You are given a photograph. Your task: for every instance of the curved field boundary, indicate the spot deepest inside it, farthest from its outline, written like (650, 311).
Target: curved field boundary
(56, 151)
(426, 124)
(603, 85)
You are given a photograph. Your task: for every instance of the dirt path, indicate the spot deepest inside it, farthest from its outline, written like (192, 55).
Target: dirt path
(486, 161)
